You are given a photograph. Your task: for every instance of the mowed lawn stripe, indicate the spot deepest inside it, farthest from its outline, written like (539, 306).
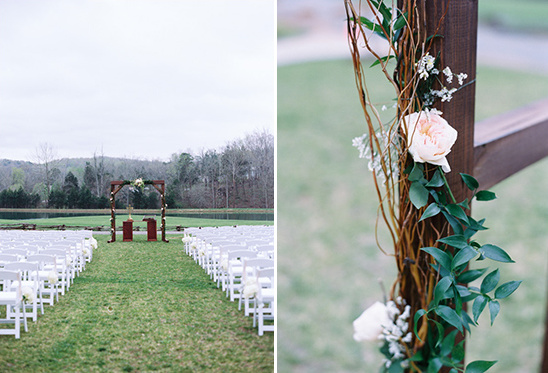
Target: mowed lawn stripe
(140, 306)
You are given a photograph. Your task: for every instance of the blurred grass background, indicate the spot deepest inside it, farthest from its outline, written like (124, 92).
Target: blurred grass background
(328, 262)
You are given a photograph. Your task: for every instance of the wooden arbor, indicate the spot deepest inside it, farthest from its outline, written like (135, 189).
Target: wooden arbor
(116, 186)
(496, 148)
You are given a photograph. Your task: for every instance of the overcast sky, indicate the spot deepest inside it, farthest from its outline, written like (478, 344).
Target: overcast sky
(136, 78)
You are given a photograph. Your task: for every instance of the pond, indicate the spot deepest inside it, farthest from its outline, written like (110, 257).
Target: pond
(21, 215)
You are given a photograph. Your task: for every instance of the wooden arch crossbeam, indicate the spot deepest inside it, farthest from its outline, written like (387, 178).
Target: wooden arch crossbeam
(116, 186)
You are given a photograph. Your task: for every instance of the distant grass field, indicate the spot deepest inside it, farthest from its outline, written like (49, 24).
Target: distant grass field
(104, 220)
(328, 263)
(524, 15)
(140, 307)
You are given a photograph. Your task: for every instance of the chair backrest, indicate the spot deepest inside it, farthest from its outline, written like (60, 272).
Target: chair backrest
(7, 277)
(43, 259)
(240, 254)
(22, 253)
(59, 253)
(266, 272)
(251, 266)
(6, 258)
(29, 270)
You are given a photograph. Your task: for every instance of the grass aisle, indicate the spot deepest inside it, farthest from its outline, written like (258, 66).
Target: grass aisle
(139, 307)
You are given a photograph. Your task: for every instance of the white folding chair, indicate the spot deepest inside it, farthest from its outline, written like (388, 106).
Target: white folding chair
(63, 271)
(264, 303)
(235, 271)
(13, 301)
(48, 276)
(249, 285)
(30, 286)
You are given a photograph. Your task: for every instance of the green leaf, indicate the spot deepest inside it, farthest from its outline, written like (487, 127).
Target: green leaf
(463, 256)
(455, 224)
(401, 21)
(441, 288)
(494, 308)
(449, 315)
(471, 275)
(418, 195)
(436, 181)
(441, 257)
(457, 212)
(383, 59)
(432, 210)
(479, 366)
(372, 26)
(470, 181)
(466, 321)
(434, 365)
(490, 281)
(458, 352)
(485, 195)
(417, 172)
(496, 253)
(506, 289)
(457, 241)
(477, 308)
(448, 343)
(420, 313)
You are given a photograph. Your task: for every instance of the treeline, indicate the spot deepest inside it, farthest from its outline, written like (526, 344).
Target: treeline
(239, 175)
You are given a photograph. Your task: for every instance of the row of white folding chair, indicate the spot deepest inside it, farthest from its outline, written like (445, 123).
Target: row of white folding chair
(228, 264)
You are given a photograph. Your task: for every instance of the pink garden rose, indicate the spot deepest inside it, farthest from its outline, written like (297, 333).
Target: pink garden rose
(429, 138)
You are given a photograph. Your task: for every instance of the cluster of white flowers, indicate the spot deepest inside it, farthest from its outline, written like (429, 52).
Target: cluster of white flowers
(396, 332)
(93, 242)
(193, 246)
(250, 287)
(86, 252)
(28, 294)
(445, 94)
(53, 277)
(425, 66)
(375, 158)
(186, 238)
(139, 183)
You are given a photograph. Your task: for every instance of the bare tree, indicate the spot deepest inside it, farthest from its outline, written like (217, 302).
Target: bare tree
(46, 157)
(260, 146)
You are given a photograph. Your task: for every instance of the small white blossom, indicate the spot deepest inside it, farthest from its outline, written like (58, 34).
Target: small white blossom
(461, 78)
(425, 66)
(383, 108)
(448, 74)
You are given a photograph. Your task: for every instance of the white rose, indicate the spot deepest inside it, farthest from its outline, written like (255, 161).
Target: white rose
(429, 138)
(52, 277)
(28, 294)
(93, 242)
(370, 324)
(250, 288)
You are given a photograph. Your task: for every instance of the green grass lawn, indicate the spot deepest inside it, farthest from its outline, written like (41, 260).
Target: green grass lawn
(104, 220)
(140, 307)
(328, 263)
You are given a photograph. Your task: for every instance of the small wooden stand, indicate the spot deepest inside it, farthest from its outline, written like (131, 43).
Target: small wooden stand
(128, 230)
(151, 229)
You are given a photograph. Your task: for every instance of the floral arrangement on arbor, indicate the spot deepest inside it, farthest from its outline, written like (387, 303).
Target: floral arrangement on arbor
(421, 327)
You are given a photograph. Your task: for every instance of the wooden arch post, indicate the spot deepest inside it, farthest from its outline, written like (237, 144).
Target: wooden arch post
(116, 186)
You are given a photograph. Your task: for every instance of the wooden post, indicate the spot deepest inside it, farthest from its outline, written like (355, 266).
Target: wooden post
(456, 22)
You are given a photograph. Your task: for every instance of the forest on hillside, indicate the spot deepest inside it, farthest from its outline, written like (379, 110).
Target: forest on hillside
(239, 175)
